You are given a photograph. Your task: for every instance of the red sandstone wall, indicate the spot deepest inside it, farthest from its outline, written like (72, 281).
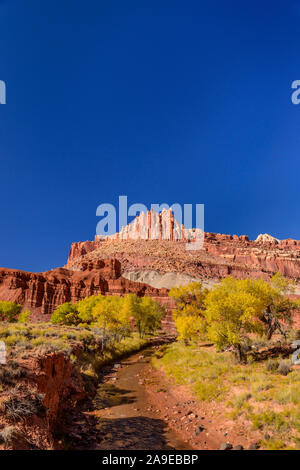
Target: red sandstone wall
(42, 293)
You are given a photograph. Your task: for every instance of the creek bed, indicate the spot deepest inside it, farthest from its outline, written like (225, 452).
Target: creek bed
(124, 416)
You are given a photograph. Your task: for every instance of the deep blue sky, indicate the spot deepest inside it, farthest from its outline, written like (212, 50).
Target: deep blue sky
(164, 101)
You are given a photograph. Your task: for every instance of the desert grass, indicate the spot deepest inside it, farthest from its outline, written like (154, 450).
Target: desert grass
(82, 345)
(265, 395)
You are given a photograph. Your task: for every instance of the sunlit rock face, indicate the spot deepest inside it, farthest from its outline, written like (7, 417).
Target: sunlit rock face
(266, 238)
(152, 225)
(151, 253)
(41, 293)
(157, 242)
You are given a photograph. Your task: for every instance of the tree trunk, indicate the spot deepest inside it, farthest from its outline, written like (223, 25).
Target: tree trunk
(239, 353)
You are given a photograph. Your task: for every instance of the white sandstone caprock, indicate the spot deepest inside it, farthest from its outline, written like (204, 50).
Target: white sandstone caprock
(266, 238)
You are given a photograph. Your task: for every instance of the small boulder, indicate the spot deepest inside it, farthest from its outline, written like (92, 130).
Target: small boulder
(226, 446)
(254, 446)
(198, 430)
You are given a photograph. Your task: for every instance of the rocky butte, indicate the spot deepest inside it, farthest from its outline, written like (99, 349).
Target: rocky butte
(147, 257)
(142, 246)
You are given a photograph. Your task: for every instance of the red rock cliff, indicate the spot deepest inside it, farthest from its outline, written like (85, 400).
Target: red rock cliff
(222, 255)
(43, 292)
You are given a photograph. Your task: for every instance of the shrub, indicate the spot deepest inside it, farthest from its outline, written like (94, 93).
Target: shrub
(24, 316)
(9, 311)
(14, 339)
(271, 365)
(284, 367)
(241, 399)
(8, 434)
(209, 391)
(17, 408)
(297, 334)
(66, 314)
(10, 373)
(37, 341)
(272, 444)
(268, 418)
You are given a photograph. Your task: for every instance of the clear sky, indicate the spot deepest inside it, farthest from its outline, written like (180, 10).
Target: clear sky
(163, 101)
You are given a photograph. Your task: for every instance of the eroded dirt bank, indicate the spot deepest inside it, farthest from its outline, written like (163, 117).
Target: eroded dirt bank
(131, 406)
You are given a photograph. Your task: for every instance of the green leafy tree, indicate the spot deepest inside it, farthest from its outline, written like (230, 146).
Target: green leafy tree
(66, 314)
(192, 296)
(85, 307)
(147, 314)
(24, 316)
(105, 313)
(114, 315)
(109, 315)
(130, 307)
(237, 307)
(276, 307)
(9, 311)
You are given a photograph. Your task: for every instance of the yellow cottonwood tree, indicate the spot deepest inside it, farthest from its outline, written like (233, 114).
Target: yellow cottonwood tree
(231, 314)
(189, 316)
(236, 307)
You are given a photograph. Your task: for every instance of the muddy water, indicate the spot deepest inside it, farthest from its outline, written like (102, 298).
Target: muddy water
(124, 417)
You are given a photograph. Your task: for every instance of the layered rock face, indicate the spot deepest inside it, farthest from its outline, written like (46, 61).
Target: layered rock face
(221, 255)
(152, 249)
(264, 258)
(43, 292)
(164, 261)
(154, 226)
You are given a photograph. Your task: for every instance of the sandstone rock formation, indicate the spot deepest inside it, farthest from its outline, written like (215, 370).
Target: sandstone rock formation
(162, 280)
(97, 267)
(41, 293)
(266, 238)
(154, 226)
(222, 255)
(160, 262)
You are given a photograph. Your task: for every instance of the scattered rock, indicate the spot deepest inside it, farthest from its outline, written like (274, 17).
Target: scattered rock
(198, 430)
(226, 446)
(238, 447)
(254, 446)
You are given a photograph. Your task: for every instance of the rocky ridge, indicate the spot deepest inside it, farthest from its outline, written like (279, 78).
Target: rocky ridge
(221, 255)
(117, 265)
